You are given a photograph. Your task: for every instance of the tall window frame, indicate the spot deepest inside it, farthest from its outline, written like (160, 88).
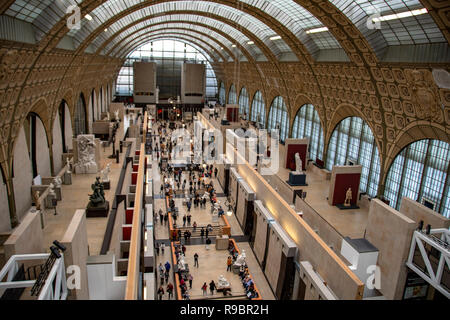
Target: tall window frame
(258, 112)
(278, 115)
(353, 140)
(244, 108)
(307, 125)
(232, 99)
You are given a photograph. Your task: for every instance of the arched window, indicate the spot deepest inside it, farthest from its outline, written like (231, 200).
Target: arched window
(80, 116)
(307, 125)
(353, 141)
(258, 109)
(420, 172)
(232, 95)
(222, 94)
(243, 104)
(279, 118)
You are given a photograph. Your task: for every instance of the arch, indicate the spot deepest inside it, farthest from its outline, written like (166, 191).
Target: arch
(80, 116)
(232, 99)
(420, 171)
(258, 110)
(353, 140)
(279, 117)
(307, 124)
(244, 108)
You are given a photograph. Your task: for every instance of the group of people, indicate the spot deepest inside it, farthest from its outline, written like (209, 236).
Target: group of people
(164, 276)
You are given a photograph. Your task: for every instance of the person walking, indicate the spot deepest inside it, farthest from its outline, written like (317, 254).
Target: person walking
(229, 263)
(157, 248)
(189, 205)
(163, 246)
(167, 266)
(194, 225)
(166, 218)
(183, 249)
(196, 260)
(161, 215)
(215, 172)
(202, 232)
(208, 242)
(204, 289)
(190, 278)
(212, 287)
(188, 218)
(170, 290)
(162, 276)
(206, 232)
(166, 276)
(184, 220)
(160, 292)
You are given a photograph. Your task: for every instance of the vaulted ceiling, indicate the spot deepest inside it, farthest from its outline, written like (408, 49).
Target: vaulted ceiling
(258, 30)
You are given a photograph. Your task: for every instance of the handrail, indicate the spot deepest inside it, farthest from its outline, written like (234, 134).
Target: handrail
(131, 290)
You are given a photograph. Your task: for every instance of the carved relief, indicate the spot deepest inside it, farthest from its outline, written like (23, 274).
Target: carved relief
(425, 94)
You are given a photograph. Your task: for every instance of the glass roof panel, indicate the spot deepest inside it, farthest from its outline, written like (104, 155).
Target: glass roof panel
(189, 34)
(412, 30)
(201, 29)
(233, 33)
(100, 15)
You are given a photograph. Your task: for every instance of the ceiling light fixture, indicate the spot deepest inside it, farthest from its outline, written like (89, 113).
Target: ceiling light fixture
(275, 38)
(88, 17)
(106, 29)
(233, 45)
(250, 42)
(316, 30)
(401, 15)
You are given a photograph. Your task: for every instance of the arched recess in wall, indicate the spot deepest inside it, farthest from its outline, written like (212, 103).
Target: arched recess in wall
(352, 141)
(31, 158)
(222, 94)
(5, 221)
(244, 108)
(232, 95)
(93, 106)
(278, 117)
(307, 125)
(258, 111)
(80, 116)
(100, 100)
(66, 127)
(421, 172)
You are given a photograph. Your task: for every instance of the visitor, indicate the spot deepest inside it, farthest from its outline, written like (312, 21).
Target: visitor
(160, 292)
(183, 249)
(212, 287)
(202, 232)
(167, 266)
(189, 219)
(215, 172)
(163, 246)
(196, 260)
(184, 220)
(166, 276)
(190, 278)
(208, 242)
(206, 232)
(204, 288)
(162, 276)
(169, 290)
(229, 263)
(194, 226)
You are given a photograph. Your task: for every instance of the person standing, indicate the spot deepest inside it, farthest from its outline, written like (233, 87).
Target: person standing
(215, 172)
(204, 288)
(163, 246)
(161, 215)
(183, 249)
(194, 226)
(188, 218)
(157, 248)
(196, 260)
(170, 290)
(167, 266)
(206, 232)
(212, 287)
(190, 278)
(202, 232)
(160, 292)
(162, 276)
(229, 263)
(184, 220)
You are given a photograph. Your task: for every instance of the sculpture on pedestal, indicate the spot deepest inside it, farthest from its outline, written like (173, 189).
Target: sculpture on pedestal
(223, 282)
(86, 154)
(116, 115)
(240, 260)
(68, 165)
(37, 202)
(97, 199)
(348, 197)
(181, 263)
(51, 190)
(57, 182)
(298, 164)
(105, 173)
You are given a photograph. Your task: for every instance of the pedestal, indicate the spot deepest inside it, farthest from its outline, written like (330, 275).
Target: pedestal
(96, 212)
(344, 207)
(49, 201)
(297, 179)
(67, 178)
(222, 242)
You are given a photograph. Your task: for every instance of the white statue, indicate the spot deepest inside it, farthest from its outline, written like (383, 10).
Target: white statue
(116, 115)
(86, 154)
(68, 165)
(348, 197)
(223, 282)
(298, 164)
(51, 190)
(37, 202)
(181, 263)
(240, 261)
(105, 173)
(57, 182)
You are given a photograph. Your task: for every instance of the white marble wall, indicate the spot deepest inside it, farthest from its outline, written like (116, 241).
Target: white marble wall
(57, 147)
(5, 224)
(23, 175)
